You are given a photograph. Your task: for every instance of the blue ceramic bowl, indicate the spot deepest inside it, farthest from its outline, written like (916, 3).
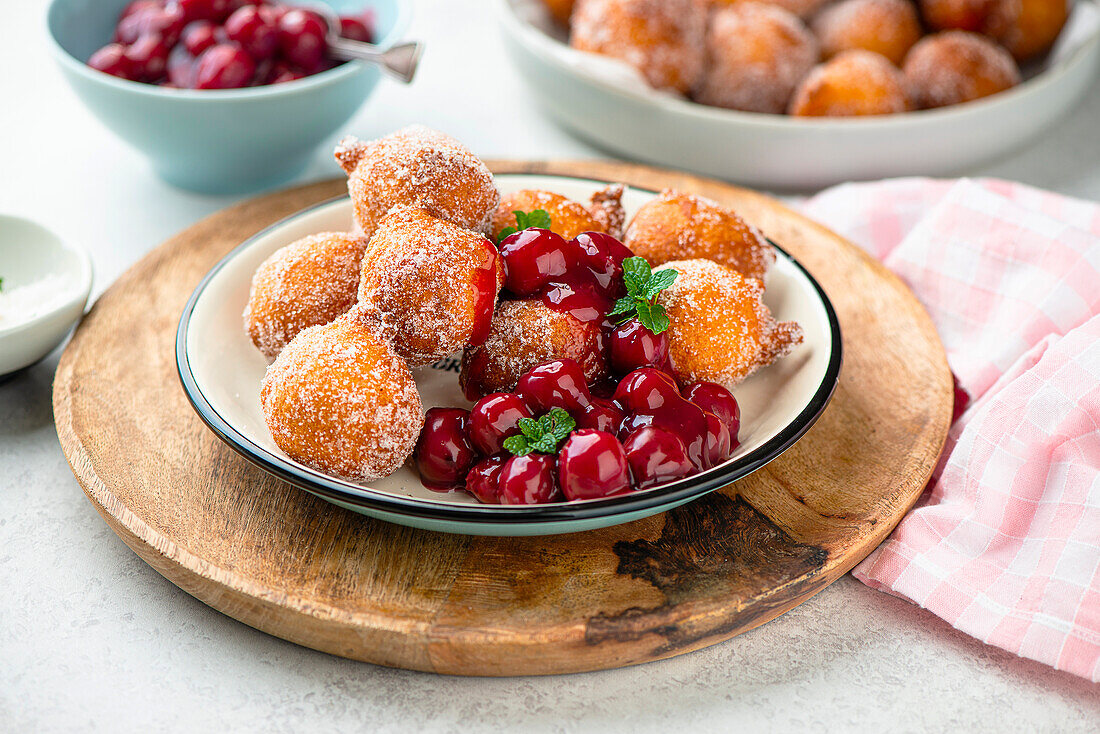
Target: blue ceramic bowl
(217, 141)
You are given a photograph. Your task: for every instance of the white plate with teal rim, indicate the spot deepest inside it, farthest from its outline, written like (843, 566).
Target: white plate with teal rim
(221, 372)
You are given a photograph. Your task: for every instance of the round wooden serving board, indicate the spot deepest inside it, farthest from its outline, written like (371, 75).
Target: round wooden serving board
(295, 566)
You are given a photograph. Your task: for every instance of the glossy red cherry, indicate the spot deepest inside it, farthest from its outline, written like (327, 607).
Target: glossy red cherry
(528, 480)
(494, 418)
(718, 400)
(302, 39)
(656, 455)
(632, 346)
(646, 389)
(556, 384)
(354, 29)
(604, 256)
(532, 257)
(719, 442)
(182, 68)
(601, 415)
(592, 464)
(148, 58)
(198, 10)
(250, 28)
(166, 21)
(111, 59)
(443, 453)
(483, 480)
(137, 6)
(198, 36)
(224, 66)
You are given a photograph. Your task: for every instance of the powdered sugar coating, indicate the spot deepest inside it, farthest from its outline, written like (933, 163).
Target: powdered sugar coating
(607, 209)
(679, 226)
(888, 27)
(567, 217)
(756, 54)
(801, 8)
(424, 275)
(306, 283)
(720, 330)
(852, 83)
(956, 66)
(662, 39)
(339, 399)
(524, 335)
(421, 167)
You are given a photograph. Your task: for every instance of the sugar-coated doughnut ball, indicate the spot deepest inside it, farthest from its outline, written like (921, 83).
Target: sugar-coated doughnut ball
(606, 206)
(801, 8)
(679, 226)
(980, 16)
(662, 39)
(956, 66)
(719, 328)
(888, 27)
(1032, 30)
(418, 167)
(434, 283)
(306, 283)
(756, 54)
(852, 83)
(524, 335)
(339, 399)
(559, 10)
(567, 217)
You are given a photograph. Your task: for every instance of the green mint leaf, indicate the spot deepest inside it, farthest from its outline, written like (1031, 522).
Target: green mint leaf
(636, 274)
(545, 445)
(645, 313)
(1, 285)
(539, 218)
(507, 231)
(545, 424)
(517, 445)
(562, 424)
(521, 219)
(661, 280)
(656, 318)
(623, 306)
(529, 428)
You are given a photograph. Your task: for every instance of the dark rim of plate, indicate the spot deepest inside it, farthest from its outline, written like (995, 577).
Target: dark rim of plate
(338, 490)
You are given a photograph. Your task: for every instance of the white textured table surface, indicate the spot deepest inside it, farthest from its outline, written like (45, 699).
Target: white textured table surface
(92, 638)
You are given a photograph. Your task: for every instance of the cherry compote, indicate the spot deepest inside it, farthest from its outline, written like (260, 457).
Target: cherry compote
(220, 44)
(443, 453)
(528, 480)
(494, 418)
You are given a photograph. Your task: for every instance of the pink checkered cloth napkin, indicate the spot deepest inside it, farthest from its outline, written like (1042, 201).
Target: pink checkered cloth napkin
(1005, 542)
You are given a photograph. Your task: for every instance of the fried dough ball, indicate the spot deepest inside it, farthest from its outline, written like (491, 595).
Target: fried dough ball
(524, 335)
(340, 400)
(888, 27)
(434, 282)
(421, 167)
(979, 16)
(606, 206)
(1033, 30)
(678, 226)
(662, 39)
(559, 9)
(801, 8)
(567, 217)
(306, 283)
(852, 83)
(756, 55)
(720, 330)
(956, 66)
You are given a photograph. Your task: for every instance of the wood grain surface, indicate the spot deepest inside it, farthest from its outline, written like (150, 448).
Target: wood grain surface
(285, 562)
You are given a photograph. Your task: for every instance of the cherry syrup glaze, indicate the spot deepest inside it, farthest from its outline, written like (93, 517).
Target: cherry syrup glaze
(443, 453)
(485, 284)
(169, 43)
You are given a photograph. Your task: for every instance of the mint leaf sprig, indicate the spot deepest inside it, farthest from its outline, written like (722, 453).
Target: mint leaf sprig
(539, 218)
(642, 288)
(543, 435)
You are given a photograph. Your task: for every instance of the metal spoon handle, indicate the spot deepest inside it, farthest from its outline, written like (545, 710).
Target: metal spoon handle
(400, 60)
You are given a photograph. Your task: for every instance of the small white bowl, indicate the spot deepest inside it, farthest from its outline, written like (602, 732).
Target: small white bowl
(44, 285)
(606, 102)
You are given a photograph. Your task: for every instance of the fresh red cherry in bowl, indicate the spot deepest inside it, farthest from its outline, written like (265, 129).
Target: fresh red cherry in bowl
(443, 453)
(528, 480)
(592, 464)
